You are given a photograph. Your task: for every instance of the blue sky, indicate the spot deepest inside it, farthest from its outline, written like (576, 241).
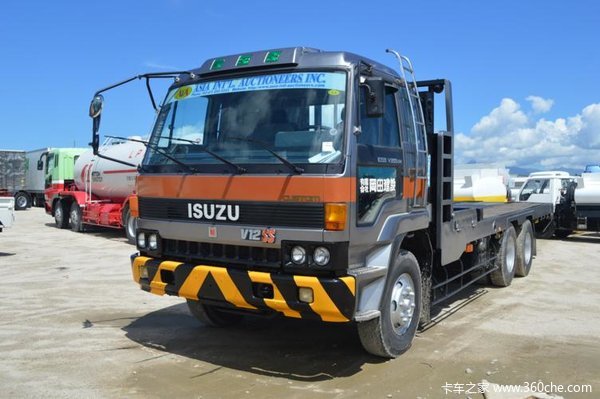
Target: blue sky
(55, 55)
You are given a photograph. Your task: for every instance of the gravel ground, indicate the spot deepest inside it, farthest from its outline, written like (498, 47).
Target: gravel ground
(74, 324)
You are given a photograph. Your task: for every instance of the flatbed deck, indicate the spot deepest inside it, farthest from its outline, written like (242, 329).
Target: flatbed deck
(500, 209)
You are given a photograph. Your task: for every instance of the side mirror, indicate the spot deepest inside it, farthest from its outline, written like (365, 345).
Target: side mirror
(40, 165)
(375, 96)
(95, 111)
(96, 106)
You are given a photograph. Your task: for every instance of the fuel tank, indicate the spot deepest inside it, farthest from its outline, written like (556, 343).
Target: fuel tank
(108, 179)
(588, 189)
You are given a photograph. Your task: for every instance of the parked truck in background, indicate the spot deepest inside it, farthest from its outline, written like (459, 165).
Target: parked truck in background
(296, 181)
(27, 175)
(12, 173)
(101, 190)
(575, 200)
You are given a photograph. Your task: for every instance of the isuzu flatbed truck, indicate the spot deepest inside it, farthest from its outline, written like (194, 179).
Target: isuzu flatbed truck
(313, 184)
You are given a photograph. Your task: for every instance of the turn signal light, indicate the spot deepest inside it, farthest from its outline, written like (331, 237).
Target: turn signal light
(335, 217)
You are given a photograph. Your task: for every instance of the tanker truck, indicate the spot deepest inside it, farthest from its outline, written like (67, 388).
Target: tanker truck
(575, 200)
(102, 190)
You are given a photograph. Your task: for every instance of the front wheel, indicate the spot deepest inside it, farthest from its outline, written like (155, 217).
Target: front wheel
(129, 223)
(212, 315)
(392, 333)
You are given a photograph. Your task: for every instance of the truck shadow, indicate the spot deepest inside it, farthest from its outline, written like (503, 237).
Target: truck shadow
(300, 350)
(99, 231)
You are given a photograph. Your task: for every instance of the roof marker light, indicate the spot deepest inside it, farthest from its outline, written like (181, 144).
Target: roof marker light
(243, 60)
(272, 56)
(217, 64)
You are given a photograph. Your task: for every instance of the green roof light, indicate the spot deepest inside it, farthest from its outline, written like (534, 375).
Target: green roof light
(272, 56)
(217, 64)
(243, 60)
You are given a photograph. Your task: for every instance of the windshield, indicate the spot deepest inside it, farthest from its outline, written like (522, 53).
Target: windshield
(256, 120)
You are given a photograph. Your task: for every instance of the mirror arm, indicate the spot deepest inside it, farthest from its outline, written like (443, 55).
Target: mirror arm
(150, 94)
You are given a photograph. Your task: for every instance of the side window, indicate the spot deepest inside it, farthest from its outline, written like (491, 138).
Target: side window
(384, 132)
(379, 159)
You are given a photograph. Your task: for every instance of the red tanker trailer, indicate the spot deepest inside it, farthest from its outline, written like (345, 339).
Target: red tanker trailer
(102, 190)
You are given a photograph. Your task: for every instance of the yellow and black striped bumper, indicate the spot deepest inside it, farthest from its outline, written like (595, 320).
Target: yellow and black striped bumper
(334, 298)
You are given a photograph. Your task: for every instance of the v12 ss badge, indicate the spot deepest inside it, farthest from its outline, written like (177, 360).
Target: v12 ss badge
(268, 235)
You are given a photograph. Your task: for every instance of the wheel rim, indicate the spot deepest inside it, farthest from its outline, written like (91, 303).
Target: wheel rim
(74, 217)
(527, 248)
(58, 214)
(510, 255)
(402, 304)
(21, 201)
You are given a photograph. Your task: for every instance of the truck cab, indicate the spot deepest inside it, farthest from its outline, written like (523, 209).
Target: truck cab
(545, 187)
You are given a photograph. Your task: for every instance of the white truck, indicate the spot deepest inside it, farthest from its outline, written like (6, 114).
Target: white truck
(575, 200)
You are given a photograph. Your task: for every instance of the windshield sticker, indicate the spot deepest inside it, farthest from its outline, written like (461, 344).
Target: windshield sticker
(333, 92)
(334, 82)
(183, 92)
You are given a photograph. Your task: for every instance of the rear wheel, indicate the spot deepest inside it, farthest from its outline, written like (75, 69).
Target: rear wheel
(212, 315)
(22, 201)
(129, 223)
(525, 250)
(392, 333)
(61, 217)
(75, 220)
(506, 259)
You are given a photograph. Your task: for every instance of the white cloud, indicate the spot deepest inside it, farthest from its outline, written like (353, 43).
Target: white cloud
(507, 135)
(540, 105)
(508, 116)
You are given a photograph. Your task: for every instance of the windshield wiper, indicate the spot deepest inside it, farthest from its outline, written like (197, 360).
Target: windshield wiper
(264, 146)
(187, 167)
(239, 169)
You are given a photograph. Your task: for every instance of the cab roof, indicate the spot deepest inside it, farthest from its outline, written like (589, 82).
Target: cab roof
(300, 57)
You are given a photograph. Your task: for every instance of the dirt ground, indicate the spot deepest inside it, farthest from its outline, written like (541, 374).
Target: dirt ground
(73, 324)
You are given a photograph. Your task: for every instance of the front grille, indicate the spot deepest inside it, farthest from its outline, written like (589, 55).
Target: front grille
(221, 254)
(280, 214)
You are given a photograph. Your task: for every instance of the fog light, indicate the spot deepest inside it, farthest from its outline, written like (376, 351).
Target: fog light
(152, 241)
(305, 294)
(141, 240)
(321, 256)
(298, 255)
(143, 272)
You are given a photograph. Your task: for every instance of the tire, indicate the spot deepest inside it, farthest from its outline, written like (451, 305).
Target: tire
(61, 217)
(22, 201)
(563, 233)
(392, 333)
(212, 316)
(506, 259)
(525, 250)
(75, 220)
(129, 223)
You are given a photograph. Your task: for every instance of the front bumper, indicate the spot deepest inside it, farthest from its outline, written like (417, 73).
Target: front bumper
(334, 298)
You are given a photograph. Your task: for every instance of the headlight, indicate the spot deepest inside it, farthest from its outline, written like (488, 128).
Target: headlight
(152, 241)
(321, 256)
(298, 255)
(141, 240)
